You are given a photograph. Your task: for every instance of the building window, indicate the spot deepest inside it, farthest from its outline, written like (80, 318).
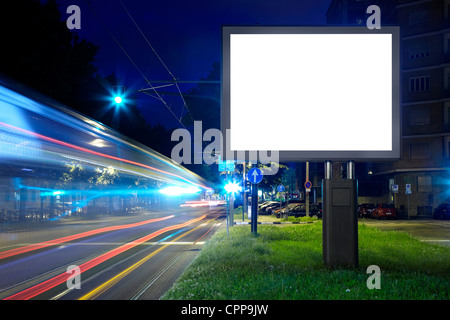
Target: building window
(420, 16)
(419, 151)
(446, 112)
(424, 184)
(418, 51)
(447, 147)
(419, 117)
(419, 84)
(447, 85)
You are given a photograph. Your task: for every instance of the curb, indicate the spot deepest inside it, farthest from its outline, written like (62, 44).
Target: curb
(276, 222)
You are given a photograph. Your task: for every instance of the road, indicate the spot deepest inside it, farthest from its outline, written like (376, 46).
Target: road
(120, 258)
(433, 231)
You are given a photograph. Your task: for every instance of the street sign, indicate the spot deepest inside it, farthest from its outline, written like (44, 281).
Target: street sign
(394, 188)
(308, 185)
(255, 175)
(280, 188)
(227, 165)
(408, 189)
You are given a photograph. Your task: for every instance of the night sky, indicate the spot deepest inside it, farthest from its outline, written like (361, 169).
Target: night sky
(185, 34)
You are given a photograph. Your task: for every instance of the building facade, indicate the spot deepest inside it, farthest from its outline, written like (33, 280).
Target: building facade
(425, 85)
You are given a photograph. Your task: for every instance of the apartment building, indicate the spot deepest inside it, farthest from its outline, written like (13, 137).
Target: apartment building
(425, 76)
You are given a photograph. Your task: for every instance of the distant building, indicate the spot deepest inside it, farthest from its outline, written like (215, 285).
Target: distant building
(425, 76)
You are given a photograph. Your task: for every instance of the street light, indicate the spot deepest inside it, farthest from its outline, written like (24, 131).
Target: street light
(118, 94)
(118, 99)
(232, 187)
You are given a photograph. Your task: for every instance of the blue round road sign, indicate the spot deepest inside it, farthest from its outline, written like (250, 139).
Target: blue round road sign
(280, 188)
(254, 175)
(308, 184)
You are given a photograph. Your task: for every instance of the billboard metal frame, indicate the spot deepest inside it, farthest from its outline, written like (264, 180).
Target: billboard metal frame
(315, 155)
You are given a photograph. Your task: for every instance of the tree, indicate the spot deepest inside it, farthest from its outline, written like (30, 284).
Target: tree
(40, 51)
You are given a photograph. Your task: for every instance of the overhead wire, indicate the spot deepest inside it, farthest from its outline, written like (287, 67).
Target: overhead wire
(161, 60)
(158, 96)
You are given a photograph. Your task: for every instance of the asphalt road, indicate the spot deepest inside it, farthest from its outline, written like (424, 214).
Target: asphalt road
(120, 258)
(433, 231)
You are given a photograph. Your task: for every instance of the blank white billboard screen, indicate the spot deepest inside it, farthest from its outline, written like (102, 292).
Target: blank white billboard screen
(310, 92)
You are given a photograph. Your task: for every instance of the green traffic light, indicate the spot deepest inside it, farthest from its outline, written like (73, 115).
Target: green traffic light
(118, 99)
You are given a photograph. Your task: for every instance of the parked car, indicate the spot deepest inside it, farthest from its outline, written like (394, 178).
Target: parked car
(265, 203)
(268, 208)
(442, 212)
(384, 210)
(315, 210)
(299, 210)
(284, 210)
(275, 206)
(365, 210)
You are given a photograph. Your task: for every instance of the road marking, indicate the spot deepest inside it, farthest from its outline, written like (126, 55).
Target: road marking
(149, 243)
(159, 275)
(111, 282)
(35, 246)
(55, 281)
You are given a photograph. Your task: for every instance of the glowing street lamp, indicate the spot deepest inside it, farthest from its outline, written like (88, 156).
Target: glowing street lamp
(118, 93)
(118, 99)
(232, 187)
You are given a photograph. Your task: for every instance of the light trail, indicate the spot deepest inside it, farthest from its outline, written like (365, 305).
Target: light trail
(32, 247)
(108, 284)
(57, 280)
(72, 146)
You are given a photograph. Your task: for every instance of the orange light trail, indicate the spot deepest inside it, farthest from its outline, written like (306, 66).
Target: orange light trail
(32, 247)
(55, 281)
(69, 145)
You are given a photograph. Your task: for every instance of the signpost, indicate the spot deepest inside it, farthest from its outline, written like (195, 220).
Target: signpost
(408, 192)
(394, 188)
(227, 165)
(308, 186)
(408, 189)
(254, 176)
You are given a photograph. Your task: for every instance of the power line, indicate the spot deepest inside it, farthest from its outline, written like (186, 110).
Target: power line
(158, 96)
(162, 62)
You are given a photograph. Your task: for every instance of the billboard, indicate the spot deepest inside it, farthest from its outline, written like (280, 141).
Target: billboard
(311, 93)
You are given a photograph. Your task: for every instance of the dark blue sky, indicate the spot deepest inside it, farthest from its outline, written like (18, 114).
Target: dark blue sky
(185, 34)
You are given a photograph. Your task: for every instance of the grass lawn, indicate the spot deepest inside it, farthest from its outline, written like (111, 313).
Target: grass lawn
(285, 262)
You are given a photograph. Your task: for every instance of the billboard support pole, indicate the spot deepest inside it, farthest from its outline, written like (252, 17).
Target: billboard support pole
(339, 219)
(350, 170)
(328, 170)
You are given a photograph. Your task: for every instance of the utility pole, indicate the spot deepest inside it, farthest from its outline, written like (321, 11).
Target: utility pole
(307, 193)
(244, 185)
